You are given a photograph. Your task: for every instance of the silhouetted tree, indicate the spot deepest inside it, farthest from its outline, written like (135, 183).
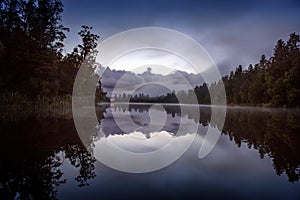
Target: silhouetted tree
(272, 82)
(31, 45)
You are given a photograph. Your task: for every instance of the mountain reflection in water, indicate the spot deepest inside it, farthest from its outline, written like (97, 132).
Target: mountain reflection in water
(39, 154)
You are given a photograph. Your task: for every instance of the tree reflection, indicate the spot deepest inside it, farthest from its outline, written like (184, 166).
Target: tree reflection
(273, 132)
(32, 152)
(82, 159)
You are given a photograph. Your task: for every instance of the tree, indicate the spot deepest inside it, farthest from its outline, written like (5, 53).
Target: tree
(100, 95)
(275, 81)
(31, 45)
(84, 55)
(32, 34)
(283, 74)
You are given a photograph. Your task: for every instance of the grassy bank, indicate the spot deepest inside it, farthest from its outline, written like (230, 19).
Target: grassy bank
(16, 105)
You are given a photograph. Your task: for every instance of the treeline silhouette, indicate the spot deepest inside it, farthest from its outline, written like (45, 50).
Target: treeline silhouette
(168, 98)
(274, 81)
(198, 95)
(33, 61)
(271, 82)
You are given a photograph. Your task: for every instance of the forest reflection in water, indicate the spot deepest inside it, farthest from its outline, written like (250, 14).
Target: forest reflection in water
(273, 132)
(33, 149)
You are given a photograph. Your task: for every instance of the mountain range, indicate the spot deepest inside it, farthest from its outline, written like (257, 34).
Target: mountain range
(116, 82)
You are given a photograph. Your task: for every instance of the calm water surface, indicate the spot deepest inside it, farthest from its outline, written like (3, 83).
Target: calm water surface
(256, 157)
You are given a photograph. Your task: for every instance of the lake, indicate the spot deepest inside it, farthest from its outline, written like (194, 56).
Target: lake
(257, 155)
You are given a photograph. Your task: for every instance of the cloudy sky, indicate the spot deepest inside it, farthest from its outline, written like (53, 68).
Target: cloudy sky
(233, 32)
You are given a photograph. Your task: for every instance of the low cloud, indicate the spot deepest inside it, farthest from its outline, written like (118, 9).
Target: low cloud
(116, 82)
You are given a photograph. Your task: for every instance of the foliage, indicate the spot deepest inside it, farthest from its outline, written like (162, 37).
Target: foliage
(274, 82)
(31, 49)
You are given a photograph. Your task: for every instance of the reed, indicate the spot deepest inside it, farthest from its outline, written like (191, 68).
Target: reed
(14, 106)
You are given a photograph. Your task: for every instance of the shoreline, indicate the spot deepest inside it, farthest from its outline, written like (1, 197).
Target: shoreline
(14, 102)
(204, 105)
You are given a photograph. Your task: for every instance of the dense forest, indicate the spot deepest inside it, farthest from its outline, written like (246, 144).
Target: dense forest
(33, 61)
(271, 82)
(34, 64)
(274, 81)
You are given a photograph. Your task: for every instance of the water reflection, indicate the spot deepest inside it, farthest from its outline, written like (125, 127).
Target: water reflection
(34, 152)
(273, 132)
(139, 113)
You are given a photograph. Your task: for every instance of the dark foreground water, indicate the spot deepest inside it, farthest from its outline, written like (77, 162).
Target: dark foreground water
(256, 157)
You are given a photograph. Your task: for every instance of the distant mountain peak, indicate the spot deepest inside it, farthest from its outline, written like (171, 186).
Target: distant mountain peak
(128, 81)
